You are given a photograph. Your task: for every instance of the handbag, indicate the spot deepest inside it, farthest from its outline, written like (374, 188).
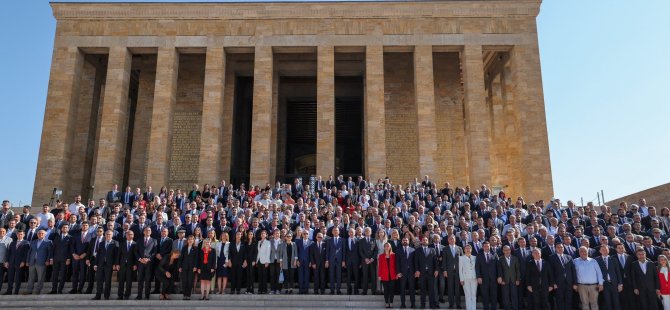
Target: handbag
(281, 276)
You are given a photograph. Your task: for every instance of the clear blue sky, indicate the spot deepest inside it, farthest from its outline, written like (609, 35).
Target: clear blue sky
(605, 66)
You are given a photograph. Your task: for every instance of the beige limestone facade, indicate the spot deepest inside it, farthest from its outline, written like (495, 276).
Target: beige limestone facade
(171, 94)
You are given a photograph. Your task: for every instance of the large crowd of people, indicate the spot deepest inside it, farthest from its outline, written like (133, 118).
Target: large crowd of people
(426, 243)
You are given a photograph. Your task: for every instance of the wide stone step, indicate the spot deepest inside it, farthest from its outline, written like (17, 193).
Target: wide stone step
(246, 302)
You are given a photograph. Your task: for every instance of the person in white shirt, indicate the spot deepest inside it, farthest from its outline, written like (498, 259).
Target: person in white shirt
(263, 262)
(468, 277)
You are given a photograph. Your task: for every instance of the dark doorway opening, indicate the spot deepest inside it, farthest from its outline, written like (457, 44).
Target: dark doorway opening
(349, 126)
(242, 114)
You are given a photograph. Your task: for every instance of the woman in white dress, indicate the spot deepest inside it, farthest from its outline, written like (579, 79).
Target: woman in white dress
(468, 277)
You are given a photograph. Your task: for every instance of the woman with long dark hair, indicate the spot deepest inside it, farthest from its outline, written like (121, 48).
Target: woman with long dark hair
(252, 253)
(188, 266)
(167, 272)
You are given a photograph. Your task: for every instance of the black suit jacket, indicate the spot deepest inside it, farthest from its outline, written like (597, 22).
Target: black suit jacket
(488, 271)
(236, 257)
(317, 256)
(188, 261)
(425, 262)
(539, 279)
(61, 248)
(367, 249)
(614, 273)
(18, 254)
(644, 281)
(351, 255)
(108, 255)
(404, 262)
(128, 257)
(564, 273)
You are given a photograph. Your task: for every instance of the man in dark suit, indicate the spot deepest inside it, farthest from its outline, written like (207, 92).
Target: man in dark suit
(450, 257)
(405, 268)
(61, 259)
(352, 262)
(304, 246)
(645, 280)
(367, 250)
(40, 255)
(105, 263)
(335, 261)
(623, 263)
(127, 265)
(426, 270)
(651, 252)
(540, 281)
(78, 250)
(114, 195)
(523, 253)
(613, 280)
(439, 251)
(509, 276)
(17, 254)
(486, 267)
(146, 249)
(563, 273)
(163, 249)
(317, 260)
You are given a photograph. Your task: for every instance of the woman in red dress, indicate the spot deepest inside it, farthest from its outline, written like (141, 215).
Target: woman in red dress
(387, 273)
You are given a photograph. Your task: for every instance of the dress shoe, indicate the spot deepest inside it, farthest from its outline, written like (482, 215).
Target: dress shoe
(53, 293)
(147, 297)
(139, 297)
(96, 298)
(7, 293)
(339, 292)
(73, 291)
(402, 307)
(120, 298)
(106, 297)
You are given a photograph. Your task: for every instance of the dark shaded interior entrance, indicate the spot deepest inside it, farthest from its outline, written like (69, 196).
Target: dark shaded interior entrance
(242, 114)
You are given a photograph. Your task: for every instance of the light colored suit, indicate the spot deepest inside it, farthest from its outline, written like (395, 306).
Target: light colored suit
(264, 250)
(467, 274)
(288, 259)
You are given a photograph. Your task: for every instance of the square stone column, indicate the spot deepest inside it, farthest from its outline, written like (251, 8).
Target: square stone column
(528, 102)
(165, 98)
(211, 145)
(261, 132)
(58, 128)
(424, 92)
(373, 114)
(227, 126)
(110, 156)
(477, 117)
(325, 111)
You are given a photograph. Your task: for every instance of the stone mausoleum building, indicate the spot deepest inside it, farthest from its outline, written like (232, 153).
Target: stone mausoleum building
(180, 93)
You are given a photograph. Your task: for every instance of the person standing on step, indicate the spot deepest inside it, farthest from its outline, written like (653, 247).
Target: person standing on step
(146, 250)
(387, 272)
(335, 261)
(188, 261)
(318, 263)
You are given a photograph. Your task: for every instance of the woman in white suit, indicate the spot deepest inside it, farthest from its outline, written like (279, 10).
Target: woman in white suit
(468, 276)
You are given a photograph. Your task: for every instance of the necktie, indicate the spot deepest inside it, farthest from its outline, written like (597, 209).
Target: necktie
(350, 243)
(146, 242)
(128, 249)
(406, 252)
(523, 253)
(97, 245)
(179, 245)
(425, 251)
(539, 267)
(487, 257)
(30, 235)
(621, 260)
(562, 260)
